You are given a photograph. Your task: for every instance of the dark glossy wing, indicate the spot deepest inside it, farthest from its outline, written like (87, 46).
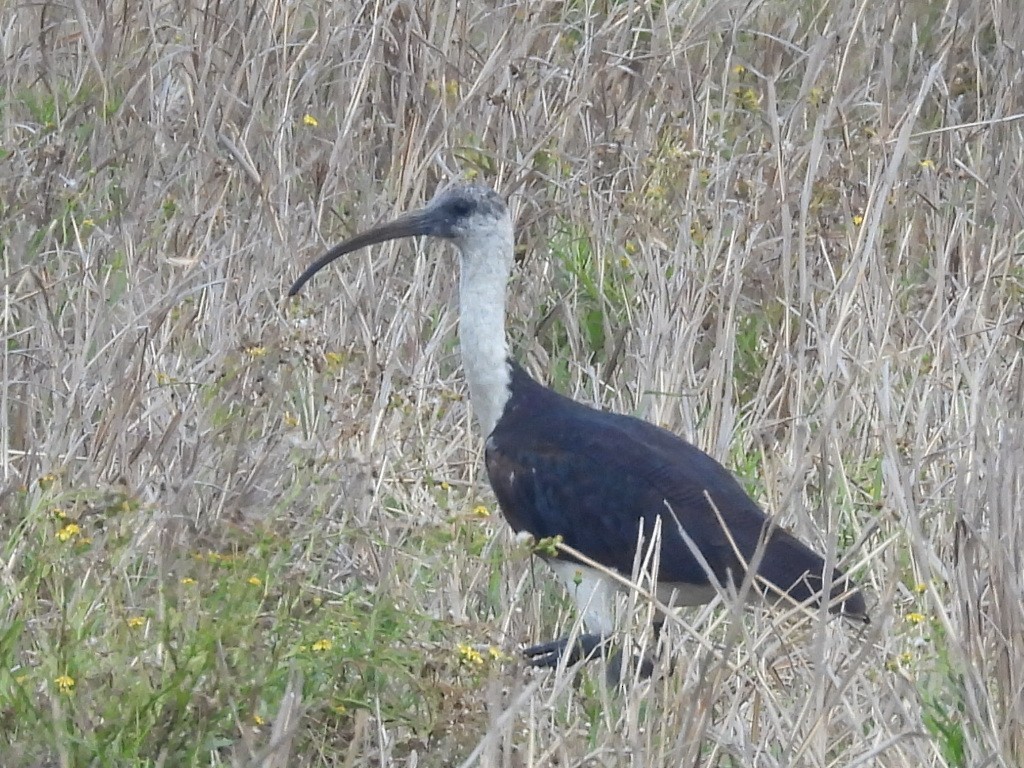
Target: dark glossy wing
(594, 478)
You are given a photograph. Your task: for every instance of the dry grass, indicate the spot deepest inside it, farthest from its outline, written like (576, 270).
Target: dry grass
(242, 531)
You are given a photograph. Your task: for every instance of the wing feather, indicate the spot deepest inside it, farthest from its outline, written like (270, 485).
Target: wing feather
(597, 479)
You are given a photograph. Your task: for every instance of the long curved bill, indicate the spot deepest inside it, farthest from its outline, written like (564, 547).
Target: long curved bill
(408, 225)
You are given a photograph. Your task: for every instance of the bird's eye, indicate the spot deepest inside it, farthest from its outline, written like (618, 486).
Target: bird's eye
(460, 207)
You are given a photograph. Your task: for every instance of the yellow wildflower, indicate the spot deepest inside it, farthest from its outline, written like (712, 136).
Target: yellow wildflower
(310, 121)
(257, 720)
(747, 97)
(915, 617)
(254, 581)
(481, 511)
(69, 531)
(65, 683)
(920, 588)
(857, 219)
(470, 655)
(188, 581)
(926, 163)
(322, 645)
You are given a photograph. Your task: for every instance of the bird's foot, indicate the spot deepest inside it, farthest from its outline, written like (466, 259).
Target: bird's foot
(584, 648)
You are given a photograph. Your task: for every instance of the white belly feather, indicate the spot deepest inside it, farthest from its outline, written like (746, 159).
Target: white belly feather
(595, 594)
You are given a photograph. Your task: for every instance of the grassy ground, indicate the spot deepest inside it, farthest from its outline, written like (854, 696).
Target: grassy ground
(238, 530)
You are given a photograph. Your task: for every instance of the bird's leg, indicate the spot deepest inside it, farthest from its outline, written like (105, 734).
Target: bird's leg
(584, 648)
(642, 662)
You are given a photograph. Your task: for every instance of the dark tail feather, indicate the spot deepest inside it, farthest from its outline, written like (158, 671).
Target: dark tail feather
(795, 570)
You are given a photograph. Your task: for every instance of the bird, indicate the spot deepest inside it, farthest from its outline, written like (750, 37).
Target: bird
(597, 483)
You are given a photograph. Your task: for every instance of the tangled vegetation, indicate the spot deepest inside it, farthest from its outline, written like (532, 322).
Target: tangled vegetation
(244, 530)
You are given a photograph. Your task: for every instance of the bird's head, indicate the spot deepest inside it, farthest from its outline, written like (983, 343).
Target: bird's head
(470, 215)
(461, 212)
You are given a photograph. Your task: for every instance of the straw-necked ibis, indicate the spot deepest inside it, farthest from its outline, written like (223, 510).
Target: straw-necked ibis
(598, 480)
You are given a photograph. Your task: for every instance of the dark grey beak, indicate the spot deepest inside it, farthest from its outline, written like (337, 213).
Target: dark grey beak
(422, 222)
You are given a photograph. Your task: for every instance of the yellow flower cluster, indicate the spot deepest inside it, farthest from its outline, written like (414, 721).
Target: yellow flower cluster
(69, 531)
(471, 656)
(64, 683)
